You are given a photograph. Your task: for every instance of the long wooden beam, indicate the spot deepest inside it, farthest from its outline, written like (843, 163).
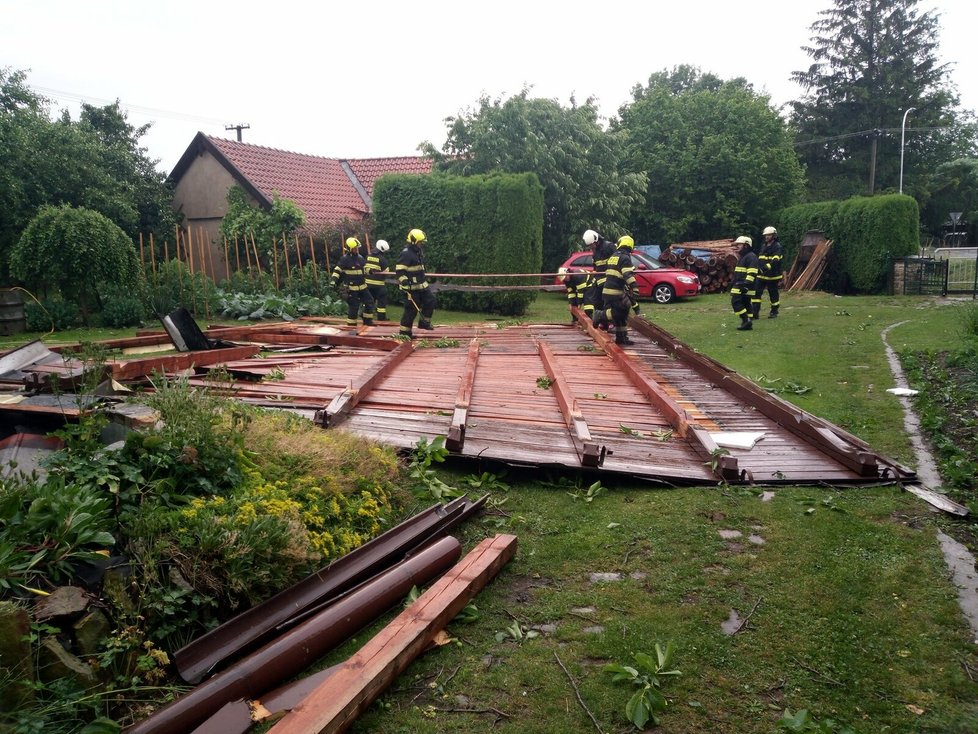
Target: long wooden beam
(677, 417)
(850, 451)
(132, 368)
(588, 451)
(335, 704)
(456, 432)
(723, 464)
(340, 406)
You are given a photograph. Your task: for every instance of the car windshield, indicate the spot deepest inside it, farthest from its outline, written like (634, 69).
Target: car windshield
(650, 262)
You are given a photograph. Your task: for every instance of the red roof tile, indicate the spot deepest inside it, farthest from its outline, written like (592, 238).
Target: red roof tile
(321, 187)
(368, 170)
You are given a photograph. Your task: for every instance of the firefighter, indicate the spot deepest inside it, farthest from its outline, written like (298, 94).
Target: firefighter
(580, 291)
(413, 282)
(618, 293)
(769, 275)
(377, 263)
(744, 285)
(602, 250)
(349, 275)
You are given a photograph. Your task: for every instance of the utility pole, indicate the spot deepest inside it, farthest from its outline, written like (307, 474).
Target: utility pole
(872, 160)
(239, 127)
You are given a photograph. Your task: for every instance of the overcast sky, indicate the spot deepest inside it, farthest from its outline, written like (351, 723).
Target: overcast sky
(374, 79)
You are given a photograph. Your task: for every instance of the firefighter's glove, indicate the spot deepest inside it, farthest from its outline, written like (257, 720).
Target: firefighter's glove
(635, 308)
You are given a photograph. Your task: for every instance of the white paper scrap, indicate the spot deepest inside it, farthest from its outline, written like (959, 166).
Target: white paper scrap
(902, 391)
(737, 439)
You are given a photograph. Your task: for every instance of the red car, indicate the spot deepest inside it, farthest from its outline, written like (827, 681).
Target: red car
(655, 280)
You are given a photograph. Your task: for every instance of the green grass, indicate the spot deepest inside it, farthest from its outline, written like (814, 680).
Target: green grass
(854, 617)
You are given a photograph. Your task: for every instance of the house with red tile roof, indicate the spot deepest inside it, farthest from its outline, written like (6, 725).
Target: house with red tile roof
(328, 190)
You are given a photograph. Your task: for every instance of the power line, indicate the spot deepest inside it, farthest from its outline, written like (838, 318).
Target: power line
(150, 111)
(866, 132)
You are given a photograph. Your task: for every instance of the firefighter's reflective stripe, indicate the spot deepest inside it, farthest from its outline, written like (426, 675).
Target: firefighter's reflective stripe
(374, 265)
(620, 274)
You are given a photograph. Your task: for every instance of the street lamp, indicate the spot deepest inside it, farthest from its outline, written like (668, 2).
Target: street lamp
(903, 129)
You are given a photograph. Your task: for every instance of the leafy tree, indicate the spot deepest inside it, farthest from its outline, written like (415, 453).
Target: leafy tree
(576, 160)
(954, 188)
(873, 60)
(94, 163)
(244, 221)
(717, 156)
(77, 253)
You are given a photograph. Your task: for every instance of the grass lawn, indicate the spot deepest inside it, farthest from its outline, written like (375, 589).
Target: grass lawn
(851, 612)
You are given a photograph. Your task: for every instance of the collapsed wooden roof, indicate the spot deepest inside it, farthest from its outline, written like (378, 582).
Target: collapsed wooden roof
(533, 395)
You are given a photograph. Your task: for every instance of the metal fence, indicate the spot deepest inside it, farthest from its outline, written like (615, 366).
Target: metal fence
(918, 276)
(962, 268)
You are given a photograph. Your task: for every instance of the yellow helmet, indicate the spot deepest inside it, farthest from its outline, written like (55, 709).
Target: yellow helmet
(352, 243)
(416, 237)
(626, 241)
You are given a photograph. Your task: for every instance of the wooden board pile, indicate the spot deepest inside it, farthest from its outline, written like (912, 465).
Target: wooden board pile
(808, 267)
(715, 271)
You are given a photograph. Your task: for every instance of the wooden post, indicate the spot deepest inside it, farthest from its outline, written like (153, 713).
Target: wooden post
(189, 249)
(298, 258)
(255, 248)
(227, 261)
(275, 261)
(142, 255)
(152, 250)
(166, 251)
(285, 252)
(204, 283)
(237, 255)
(312, 256)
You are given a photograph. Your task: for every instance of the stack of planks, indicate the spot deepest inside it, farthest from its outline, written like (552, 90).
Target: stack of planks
(714, 271)
(808, 267)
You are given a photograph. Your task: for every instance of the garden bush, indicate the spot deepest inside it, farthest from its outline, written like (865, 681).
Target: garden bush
(53, 314)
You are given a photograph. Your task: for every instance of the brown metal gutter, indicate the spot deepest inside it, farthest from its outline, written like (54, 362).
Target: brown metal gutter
(845, 448)
(195, 660)
(299, 648)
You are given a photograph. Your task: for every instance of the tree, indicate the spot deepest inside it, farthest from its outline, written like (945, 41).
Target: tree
(94, 163)
(717, 156)
(244, 222)
(954, 188)
(76, 252)
(873, 60)
(577, 162)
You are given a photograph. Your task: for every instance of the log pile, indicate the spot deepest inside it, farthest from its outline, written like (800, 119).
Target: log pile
(716, 271)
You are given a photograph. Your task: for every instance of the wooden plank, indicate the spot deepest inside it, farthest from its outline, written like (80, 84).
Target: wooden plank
(677, 417)
(132, 368)
(828, 438)
(335, 704)
(342, 404)
(589, 452)
(456, 432)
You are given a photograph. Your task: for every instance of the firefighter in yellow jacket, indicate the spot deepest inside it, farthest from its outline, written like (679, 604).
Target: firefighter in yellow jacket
(413, 282)
(618, 294)
(745, 279)
(349, 276)
(377, 263)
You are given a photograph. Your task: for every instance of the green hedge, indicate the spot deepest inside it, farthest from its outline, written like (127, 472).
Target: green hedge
(866, 232)
(474, 224)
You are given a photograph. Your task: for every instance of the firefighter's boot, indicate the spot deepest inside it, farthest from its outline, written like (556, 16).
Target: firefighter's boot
(426, 325)
(621, 338)
(745, 323)
(774, 313)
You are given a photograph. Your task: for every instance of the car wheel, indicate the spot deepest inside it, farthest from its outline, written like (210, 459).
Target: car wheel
(663, 293)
